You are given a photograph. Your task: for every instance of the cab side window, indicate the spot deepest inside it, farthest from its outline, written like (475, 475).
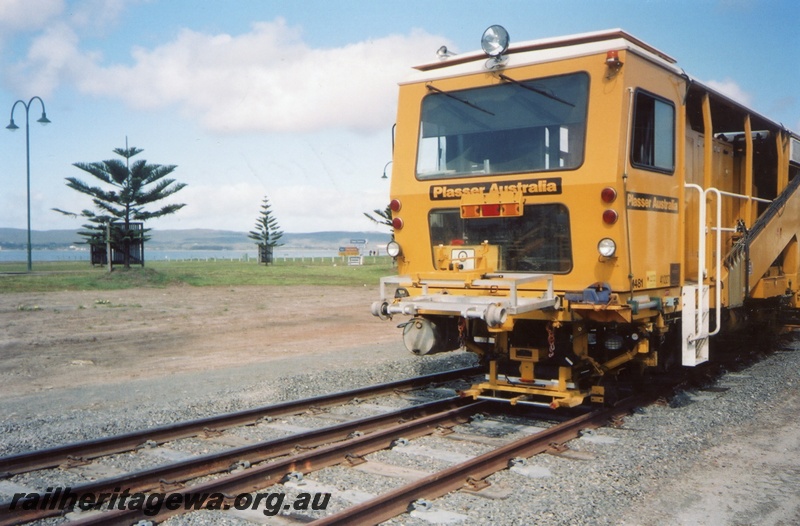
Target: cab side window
(653, 141)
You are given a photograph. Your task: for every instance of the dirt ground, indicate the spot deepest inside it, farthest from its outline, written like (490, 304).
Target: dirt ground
(62, 339)
(51, 342)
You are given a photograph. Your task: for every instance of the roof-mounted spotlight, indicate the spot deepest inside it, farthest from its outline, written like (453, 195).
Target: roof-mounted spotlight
(443, 53)
(494, 43)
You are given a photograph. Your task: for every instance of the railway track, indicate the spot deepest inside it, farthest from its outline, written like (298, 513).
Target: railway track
(86, 450)
(471, 474)
(81, 453)
(465, 475)
(410, 422)
(258, 466)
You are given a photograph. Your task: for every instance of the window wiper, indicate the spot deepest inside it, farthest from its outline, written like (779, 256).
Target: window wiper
(536, 90)
(462, 101)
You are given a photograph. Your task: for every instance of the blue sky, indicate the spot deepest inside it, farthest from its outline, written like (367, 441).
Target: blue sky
(295, 99)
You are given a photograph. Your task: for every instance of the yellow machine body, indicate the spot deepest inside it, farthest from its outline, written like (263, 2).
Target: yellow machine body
(578, 207)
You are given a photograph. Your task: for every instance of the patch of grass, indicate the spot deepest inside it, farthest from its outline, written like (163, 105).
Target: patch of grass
(73, 275)
(77, 275)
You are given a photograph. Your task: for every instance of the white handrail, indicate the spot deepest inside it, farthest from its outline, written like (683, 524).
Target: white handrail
(742, 196)
(718, 265)
(701, 245)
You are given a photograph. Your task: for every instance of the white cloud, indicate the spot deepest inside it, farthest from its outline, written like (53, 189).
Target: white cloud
(312, 209)
(226, 204)
(731, 89)
(265, 80)
(24, 15)
(49, 17)
(299, 208)
(313, 111)
(102, 15)
(52, 57)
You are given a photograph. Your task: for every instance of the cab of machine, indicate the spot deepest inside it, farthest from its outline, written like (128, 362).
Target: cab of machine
(544, 150)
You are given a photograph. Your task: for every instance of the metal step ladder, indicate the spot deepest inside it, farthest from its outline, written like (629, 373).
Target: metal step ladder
(695, 300)
(695, 324)
(696, 297)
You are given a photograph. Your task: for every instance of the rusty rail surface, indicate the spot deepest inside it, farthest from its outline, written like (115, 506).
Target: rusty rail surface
(178, 472)
(466, 474)
(53, 457)
(270, 473)
(350, 449)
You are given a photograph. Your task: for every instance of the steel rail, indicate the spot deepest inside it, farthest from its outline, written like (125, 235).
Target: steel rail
(178, 472)
(462, 475)
(262, 476)
(53, 457)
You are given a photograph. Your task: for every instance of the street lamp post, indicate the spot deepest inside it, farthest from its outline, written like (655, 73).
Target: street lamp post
(11, 126)
(384, 170)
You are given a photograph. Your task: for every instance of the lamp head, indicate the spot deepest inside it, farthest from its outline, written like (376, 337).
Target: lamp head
(495, 41)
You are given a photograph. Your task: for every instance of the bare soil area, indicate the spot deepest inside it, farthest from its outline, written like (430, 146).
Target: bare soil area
(72, 352)
(65, 339)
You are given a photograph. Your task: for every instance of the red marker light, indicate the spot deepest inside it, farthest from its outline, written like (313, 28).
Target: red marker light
(490, 210)
(612, 59)
(608, 195)
(395, 205)
(397, 223)
(610, 217)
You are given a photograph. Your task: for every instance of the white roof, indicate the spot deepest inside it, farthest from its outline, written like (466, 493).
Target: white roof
(543, 50)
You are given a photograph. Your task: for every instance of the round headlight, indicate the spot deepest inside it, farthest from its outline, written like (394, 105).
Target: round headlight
(494, 41)
(393, 249)
(606, 247)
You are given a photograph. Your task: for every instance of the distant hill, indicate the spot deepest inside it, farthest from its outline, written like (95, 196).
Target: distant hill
(197, 239)
(18, 238)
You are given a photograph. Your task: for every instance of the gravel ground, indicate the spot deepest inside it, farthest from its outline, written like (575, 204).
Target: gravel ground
(726, 454)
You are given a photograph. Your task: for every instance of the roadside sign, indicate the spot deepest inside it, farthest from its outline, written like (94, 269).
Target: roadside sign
(349, 251)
